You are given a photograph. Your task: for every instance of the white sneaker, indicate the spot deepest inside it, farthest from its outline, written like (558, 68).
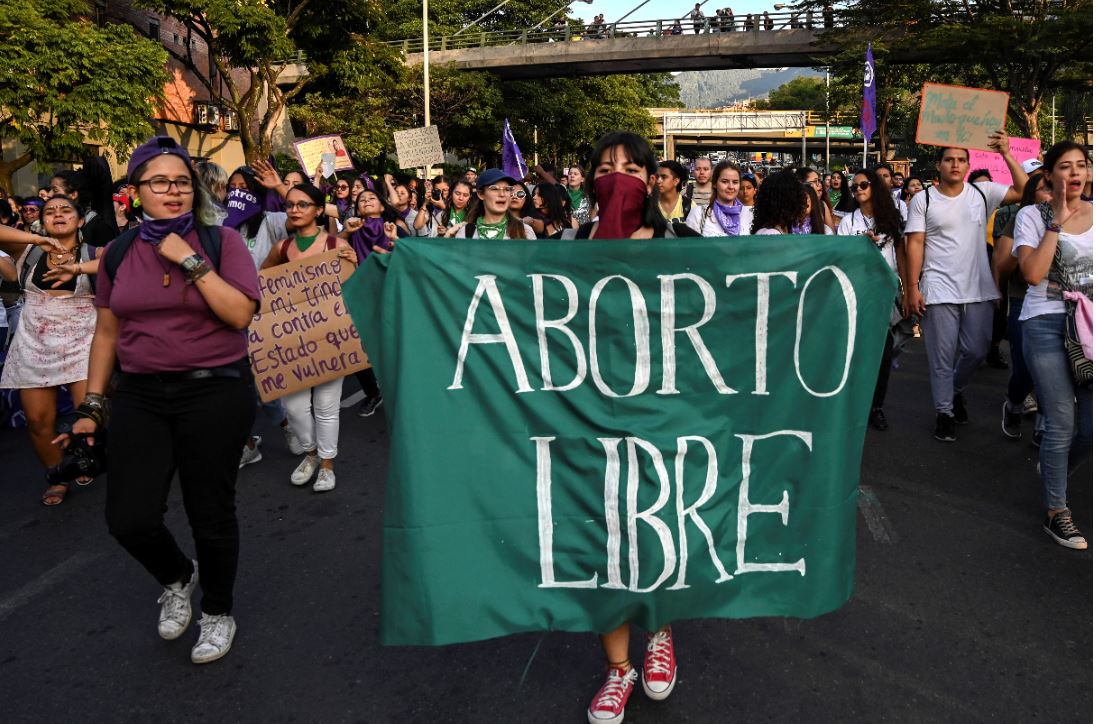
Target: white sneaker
(305, 470)
(324, 481)
(175, 607)
(215, 638)
(252, 454)
(292, 441)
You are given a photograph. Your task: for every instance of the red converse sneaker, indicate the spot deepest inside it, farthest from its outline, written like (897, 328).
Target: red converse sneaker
(659, 665)
(608, 704)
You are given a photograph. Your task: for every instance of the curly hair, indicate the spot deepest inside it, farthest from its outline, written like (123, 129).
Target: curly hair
(780, 203)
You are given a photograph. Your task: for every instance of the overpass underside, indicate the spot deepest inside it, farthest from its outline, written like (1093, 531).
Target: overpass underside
(759, 143)
(707, 51)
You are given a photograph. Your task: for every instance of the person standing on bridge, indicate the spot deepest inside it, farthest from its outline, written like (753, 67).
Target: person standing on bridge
(697, 16)
(948, 278)
(174, 321)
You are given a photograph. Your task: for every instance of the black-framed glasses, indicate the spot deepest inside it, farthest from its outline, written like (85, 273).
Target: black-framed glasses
(162, 184)
(299, 205)
(862, 185)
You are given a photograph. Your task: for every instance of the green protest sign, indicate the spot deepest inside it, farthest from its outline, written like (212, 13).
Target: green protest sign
(588, 432)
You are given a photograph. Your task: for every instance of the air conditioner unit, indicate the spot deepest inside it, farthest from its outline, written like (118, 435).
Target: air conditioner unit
(207, 114)
(231, 121)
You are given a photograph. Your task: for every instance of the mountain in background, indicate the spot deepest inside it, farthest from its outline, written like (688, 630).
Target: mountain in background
(716, 88)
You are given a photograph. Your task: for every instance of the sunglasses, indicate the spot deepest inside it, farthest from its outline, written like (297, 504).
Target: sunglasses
(862, 185)
(520, 194)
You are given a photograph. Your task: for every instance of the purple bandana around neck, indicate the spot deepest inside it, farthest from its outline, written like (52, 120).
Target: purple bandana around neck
(803, 227)
(154, 230)
(242, 206)
(728, 217)
(364, 239)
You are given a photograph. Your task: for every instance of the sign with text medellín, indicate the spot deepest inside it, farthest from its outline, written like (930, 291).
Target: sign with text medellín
(589, 432)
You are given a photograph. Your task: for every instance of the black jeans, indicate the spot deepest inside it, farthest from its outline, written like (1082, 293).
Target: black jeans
(367, 378)
(884, 371)
(196, 428)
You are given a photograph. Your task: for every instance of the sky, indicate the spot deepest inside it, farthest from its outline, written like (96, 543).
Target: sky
(661, 9)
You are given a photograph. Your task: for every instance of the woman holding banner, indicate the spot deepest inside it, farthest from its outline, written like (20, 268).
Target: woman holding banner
(1054, 246)
(173, 304)
(623, 171)
(313, 412)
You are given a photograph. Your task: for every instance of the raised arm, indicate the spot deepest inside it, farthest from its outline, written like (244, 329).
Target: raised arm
(999, 142)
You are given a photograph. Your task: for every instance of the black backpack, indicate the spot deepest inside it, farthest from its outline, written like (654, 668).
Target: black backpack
(209, 236)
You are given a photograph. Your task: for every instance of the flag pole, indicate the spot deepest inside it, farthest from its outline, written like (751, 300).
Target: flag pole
(865, 164)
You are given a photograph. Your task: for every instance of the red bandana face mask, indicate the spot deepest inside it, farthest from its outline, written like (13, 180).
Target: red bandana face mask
(621, 199)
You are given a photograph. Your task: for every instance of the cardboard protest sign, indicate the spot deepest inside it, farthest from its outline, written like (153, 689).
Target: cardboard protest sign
(310, 151)
(1021, 149)
(960, 117)
(303, 334)
(419, 147)
(588, 434)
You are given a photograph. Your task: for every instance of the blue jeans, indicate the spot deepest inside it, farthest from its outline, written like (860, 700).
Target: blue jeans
(1066, 408)
(1019, 381)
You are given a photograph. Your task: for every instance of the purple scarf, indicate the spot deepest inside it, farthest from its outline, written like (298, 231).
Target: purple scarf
(154, 230)
(728, 216)
(803, 227)
(242, 206)
(364, 239)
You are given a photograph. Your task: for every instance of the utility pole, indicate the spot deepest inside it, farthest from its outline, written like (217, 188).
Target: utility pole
(827, 120)
(426, 72)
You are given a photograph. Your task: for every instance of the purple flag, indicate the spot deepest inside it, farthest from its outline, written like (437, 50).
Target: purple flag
(512, 162)
(867, 108)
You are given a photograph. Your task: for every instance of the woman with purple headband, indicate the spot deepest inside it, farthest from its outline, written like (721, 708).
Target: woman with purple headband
(172, 315)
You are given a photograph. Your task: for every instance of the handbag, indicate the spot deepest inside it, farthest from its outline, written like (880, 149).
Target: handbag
(1079, 364)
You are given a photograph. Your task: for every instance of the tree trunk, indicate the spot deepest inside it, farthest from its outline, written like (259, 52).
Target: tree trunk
(8, 169)
(883, 144)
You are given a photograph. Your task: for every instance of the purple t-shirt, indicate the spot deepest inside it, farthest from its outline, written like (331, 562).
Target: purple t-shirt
(172, 329)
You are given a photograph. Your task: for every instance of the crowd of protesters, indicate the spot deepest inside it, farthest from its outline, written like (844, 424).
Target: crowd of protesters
(134, 296)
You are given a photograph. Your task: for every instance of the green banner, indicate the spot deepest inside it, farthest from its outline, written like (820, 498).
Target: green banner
(588, 432)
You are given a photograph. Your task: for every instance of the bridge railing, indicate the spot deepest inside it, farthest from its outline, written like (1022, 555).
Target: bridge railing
(668, 27)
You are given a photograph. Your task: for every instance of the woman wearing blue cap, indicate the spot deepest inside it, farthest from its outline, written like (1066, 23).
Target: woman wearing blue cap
(491, 218)
(173, 305)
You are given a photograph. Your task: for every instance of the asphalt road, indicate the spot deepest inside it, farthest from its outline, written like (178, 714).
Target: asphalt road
(964, 610)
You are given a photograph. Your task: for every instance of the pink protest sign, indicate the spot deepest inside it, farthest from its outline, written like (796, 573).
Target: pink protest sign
(1021, 148)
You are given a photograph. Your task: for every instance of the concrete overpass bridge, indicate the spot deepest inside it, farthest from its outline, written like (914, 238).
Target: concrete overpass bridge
(644, 46)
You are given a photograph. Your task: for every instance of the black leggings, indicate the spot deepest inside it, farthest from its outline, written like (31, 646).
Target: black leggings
(368, 381)
(195, 428)
(884, 371)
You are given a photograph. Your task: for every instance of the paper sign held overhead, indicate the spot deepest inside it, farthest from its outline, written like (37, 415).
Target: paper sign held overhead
(960, 117)
(419, 147)
(1021, 149)
(310, 152)
(303, 334)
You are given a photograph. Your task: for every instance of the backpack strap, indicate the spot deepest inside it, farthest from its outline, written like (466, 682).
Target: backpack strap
(116, 252)
(85, 256)
(33, 256)
(210, 238)
(985, 201)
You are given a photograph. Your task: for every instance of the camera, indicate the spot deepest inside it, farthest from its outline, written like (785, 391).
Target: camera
(80, 460)
(436, 194)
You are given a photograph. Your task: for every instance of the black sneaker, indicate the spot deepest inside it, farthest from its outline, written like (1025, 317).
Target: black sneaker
(877, 419)
(1010, 421)
(369, 406)
(945, 428)
(1064, 532)
(959, 409)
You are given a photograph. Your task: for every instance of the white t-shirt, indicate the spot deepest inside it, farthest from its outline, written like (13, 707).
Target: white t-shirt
(1076, 262)
(3, 314)
(705, 224)
(956, 266)
(270, 232)
(768, 231)
(856, 223)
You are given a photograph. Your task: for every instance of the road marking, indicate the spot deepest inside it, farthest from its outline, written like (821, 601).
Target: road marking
(353, 399)
(878, 522)
(14, 601)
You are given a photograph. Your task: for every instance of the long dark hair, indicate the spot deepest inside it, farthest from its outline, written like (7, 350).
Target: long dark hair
(388, 211)
(473, 200)
(639, 152)
(884, 210)
(1035, 180)
(846, 203)
(818, 219)
(257, 190)
(555, 211)
(780, 202)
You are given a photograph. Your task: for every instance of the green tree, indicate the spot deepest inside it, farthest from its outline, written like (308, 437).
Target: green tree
(804, 93)
(251, 67)
(65, 81)
(1025, 49)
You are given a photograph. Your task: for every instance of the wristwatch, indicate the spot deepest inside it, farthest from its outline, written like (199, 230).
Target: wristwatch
(1056, 228)
(191, 263)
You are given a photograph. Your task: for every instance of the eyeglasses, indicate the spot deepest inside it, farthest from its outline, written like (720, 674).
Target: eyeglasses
(500, 189)
(862, 185)
(161, 184)
(299, 205)
(520, 194)
(815, 182)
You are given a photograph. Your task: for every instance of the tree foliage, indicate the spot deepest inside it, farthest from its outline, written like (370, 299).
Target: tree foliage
(805, 93)
(65, 81)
